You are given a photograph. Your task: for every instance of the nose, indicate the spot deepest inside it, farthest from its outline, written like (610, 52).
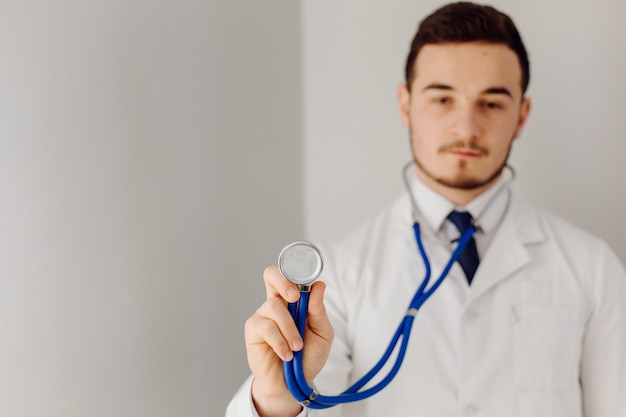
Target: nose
(466, 123)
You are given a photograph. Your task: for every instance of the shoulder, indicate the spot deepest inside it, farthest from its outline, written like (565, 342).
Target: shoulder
(551, 235)
(530, 219)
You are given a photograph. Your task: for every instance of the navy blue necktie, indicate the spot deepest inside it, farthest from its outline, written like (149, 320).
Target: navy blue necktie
(469, 257)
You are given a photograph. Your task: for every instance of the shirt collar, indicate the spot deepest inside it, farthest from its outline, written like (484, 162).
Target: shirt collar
(435, 208)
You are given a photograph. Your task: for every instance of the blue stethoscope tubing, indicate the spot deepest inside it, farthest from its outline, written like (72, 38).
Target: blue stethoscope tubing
(293, 369)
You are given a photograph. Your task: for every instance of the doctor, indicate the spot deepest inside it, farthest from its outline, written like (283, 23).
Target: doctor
(538, 329)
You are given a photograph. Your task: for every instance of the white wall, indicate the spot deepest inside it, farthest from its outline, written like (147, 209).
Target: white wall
(140, 143)
(568, 160)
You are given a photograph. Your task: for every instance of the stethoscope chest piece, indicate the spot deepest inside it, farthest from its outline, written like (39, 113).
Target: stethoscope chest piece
(301, 263)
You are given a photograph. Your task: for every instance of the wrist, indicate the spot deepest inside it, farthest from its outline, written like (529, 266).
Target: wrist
(273, 404)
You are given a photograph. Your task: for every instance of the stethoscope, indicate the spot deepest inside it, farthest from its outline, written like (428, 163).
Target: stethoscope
(301, 263)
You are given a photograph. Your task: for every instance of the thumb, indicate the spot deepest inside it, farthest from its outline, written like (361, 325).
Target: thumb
(318, 321)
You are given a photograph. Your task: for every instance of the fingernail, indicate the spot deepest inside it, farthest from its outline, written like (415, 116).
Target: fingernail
(288, 356)
(291, 293)
(296, 345)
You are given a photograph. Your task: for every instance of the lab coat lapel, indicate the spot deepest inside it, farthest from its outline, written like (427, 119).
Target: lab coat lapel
(507, 252)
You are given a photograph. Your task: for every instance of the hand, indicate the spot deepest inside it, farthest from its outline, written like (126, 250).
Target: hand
(271, 337)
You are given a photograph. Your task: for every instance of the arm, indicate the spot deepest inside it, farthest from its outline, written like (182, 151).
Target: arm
(603, 366)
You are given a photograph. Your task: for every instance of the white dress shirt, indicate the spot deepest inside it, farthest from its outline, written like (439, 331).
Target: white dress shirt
(434, 209)
(541, 331)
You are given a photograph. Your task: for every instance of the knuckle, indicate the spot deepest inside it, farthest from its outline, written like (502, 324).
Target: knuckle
(265, 327)
(269, 273)
(259, 329)
(250, 322)
(274, 304)
(283, 348)
(269, 308)
(252, 326)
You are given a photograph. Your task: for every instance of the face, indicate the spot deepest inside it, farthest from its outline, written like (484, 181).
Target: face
(463, 111)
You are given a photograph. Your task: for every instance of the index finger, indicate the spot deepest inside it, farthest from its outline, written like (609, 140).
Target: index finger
(276, 285)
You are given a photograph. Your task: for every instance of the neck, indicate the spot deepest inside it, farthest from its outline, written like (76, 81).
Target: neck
(458, 196)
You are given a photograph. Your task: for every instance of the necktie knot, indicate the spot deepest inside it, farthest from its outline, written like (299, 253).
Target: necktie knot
(461, 219)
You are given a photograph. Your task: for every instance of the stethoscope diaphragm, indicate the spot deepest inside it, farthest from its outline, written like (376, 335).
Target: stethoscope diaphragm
(300, 262)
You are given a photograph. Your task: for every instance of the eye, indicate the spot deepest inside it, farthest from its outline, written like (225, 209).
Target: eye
(492, 105)
(442, 100)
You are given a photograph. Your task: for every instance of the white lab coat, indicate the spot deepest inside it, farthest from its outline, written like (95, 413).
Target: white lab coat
(541, 332)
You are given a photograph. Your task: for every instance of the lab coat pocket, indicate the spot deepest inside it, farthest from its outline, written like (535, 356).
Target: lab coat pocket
(547, 343)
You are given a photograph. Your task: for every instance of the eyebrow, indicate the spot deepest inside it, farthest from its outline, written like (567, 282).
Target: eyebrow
(492, 90)
(437, 86)
(498, 90)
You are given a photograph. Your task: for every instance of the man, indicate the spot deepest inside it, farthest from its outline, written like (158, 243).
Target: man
(538, 328)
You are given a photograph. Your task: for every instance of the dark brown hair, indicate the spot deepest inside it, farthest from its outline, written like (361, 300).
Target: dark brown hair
(468, 22)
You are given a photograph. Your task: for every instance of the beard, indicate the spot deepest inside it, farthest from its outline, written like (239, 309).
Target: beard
(463, 180)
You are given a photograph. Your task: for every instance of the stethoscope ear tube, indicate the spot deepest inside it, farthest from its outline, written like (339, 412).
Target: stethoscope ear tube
(294, 369)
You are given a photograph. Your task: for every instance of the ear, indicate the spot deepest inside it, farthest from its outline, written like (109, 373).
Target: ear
(404, 100)
(523, 116)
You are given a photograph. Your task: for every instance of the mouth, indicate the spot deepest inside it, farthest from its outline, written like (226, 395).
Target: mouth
(464, 150)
